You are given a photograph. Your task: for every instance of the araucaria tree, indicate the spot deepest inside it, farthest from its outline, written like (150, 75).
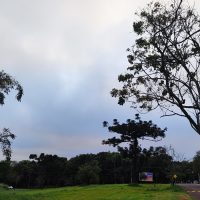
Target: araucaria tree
(7, 83)
(129, 134)
(164, 69)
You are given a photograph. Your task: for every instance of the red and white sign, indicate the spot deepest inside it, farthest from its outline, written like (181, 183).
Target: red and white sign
(146, 176)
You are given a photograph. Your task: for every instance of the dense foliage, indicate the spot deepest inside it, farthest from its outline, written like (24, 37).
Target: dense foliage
(103, 168)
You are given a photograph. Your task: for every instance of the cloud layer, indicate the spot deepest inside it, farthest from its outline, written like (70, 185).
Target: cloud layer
(67, 55)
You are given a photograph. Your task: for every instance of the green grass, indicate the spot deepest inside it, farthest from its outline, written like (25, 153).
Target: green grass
(98, 192)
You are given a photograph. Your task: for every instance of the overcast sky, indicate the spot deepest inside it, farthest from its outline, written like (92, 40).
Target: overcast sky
(67, 55)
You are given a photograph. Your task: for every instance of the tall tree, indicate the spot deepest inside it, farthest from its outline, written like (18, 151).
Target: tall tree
(112, 170)
(88, 173)
(130, 133)
(7, 83)
(164, 62)
(51, 169)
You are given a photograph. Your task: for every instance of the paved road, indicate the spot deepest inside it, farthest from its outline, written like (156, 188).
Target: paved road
(192, 189)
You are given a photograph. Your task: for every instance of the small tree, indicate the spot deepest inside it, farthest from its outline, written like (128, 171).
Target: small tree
(165, 62)
(7, 83)
(5, 137)
(130, 133)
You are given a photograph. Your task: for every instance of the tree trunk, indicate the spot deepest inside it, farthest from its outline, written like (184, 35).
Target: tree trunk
(135, 162)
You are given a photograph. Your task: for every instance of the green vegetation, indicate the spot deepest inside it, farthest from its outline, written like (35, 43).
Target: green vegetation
(46, 171)
(98, 192)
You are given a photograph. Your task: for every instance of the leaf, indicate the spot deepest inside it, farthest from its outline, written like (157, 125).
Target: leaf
(138, 27)
(130, 59)
(164, 93)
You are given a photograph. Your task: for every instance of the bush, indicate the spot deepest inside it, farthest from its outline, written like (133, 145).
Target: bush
(4, 186)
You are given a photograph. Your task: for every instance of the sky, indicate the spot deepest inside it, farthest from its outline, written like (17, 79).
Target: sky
(67, 55)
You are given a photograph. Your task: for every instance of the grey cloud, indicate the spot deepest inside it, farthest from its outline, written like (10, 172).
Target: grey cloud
(67, 55)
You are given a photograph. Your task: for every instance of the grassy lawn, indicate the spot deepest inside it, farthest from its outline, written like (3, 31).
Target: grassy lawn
(98, 192)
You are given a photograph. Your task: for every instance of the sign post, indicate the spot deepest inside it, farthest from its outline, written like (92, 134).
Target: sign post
(174, 177)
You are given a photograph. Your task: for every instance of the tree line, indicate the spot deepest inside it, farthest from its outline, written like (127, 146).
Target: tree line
(48, 170)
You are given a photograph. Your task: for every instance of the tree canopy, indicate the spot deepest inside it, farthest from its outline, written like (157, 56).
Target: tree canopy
(164, 62)
(130, 133)
(8, 83)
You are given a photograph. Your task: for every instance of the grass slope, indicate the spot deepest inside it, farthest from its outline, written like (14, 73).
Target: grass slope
(98, 192)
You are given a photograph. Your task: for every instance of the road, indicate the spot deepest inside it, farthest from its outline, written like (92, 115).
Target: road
(192, 189)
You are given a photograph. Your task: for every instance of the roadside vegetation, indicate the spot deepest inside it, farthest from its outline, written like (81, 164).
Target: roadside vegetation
(102, 168)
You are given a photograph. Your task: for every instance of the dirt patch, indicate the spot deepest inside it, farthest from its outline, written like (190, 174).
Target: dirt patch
(183, 198)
